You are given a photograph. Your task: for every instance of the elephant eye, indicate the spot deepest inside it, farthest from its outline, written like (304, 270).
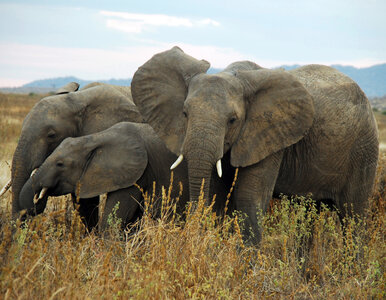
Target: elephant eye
(51, 134)
(232, 120)
(59, 164)
(185, 114)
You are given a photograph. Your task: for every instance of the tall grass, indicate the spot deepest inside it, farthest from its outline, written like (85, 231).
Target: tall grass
(13, 109)
(305, 253)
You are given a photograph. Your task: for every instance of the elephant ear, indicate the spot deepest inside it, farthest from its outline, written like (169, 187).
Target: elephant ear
(115, 163)
(244, 65)
(279, 112)
(68, 88)
(159, 89)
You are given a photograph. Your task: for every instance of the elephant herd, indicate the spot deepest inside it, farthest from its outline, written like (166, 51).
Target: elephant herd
(308, 130)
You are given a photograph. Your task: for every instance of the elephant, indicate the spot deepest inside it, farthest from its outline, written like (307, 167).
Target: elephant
(111, 161)
(309, 130)
(68, 113)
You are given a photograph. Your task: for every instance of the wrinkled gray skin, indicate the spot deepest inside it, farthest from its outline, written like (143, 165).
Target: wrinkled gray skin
(69, 113)
(110, 161)
(310, 130)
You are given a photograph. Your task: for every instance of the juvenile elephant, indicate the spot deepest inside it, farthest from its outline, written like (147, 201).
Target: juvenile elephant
(110, 161)
(310, 130)
(69, 113)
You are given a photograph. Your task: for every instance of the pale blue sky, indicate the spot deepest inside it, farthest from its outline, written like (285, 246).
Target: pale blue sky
(111, 39)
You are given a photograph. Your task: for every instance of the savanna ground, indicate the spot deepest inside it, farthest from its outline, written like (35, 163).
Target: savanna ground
(303, 255)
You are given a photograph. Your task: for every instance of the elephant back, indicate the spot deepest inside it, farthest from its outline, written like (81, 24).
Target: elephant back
(323, 81)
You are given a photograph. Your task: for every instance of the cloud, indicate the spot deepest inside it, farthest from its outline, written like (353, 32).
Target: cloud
(21, 63)
(12, 82)
(217, 56)
(30, 62)
(125, 26)
(136, 23)
(25, 63)
(208, 22)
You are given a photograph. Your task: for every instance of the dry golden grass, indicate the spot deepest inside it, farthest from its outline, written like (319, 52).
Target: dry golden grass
(303, 255)
(381, 121)
(13, 109)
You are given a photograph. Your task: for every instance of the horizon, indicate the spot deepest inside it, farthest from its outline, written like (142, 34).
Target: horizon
(98, 40)
(130, 77)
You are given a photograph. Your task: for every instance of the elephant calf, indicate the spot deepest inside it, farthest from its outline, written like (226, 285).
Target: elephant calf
(68, 113)
(110, 161)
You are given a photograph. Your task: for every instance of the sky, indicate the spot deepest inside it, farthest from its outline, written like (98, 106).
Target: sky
(97, 39)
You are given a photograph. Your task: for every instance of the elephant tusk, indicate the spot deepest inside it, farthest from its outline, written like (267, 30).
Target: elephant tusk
(33, 172)
(6, 187)
(177, 162)
(36, 199)
(41, 195)
(219, 169)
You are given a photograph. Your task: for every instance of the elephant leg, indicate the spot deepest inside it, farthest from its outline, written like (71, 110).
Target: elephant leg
(122, 204)
(353, 199)
(253, 192)
(88, 211)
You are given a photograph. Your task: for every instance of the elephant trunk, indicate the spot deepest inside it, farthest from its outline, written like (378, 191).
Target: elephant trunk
(20, 175)
(27, 194)
(199, 173)
(22, 166)
(202, 150)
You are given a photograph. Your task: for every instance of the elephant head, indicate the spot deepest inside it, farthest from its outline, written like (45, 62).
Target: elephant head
(89, 166)
(245, 109)
(69, 113)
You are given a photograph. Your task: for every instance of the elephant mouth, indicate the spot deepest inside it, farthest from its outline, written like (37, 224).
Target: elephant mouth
(43, 192)
(34, 171)
(40, 191)
(181, 157)
(40, 195)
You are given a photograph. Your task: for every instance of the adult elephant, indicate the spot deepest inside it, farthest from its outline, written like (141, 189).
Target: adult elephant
(69, 113)
(110, 161)
(310, 130)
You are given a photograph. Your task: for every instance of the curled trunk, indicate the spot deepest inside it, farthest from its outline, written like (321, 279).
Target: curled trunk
(26, 198)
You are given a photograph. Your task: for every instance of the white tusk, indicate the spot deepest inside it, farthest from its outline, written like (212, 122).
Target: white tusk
(219, 169)
(33, 172)
(177, 162)
(41, 195)
(6, 187)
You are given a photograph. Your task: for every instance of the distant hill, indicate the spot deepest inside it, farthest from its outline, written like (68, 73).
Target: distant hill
(55, 83)
(379, 103)
(372, 80)
(44, 86)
